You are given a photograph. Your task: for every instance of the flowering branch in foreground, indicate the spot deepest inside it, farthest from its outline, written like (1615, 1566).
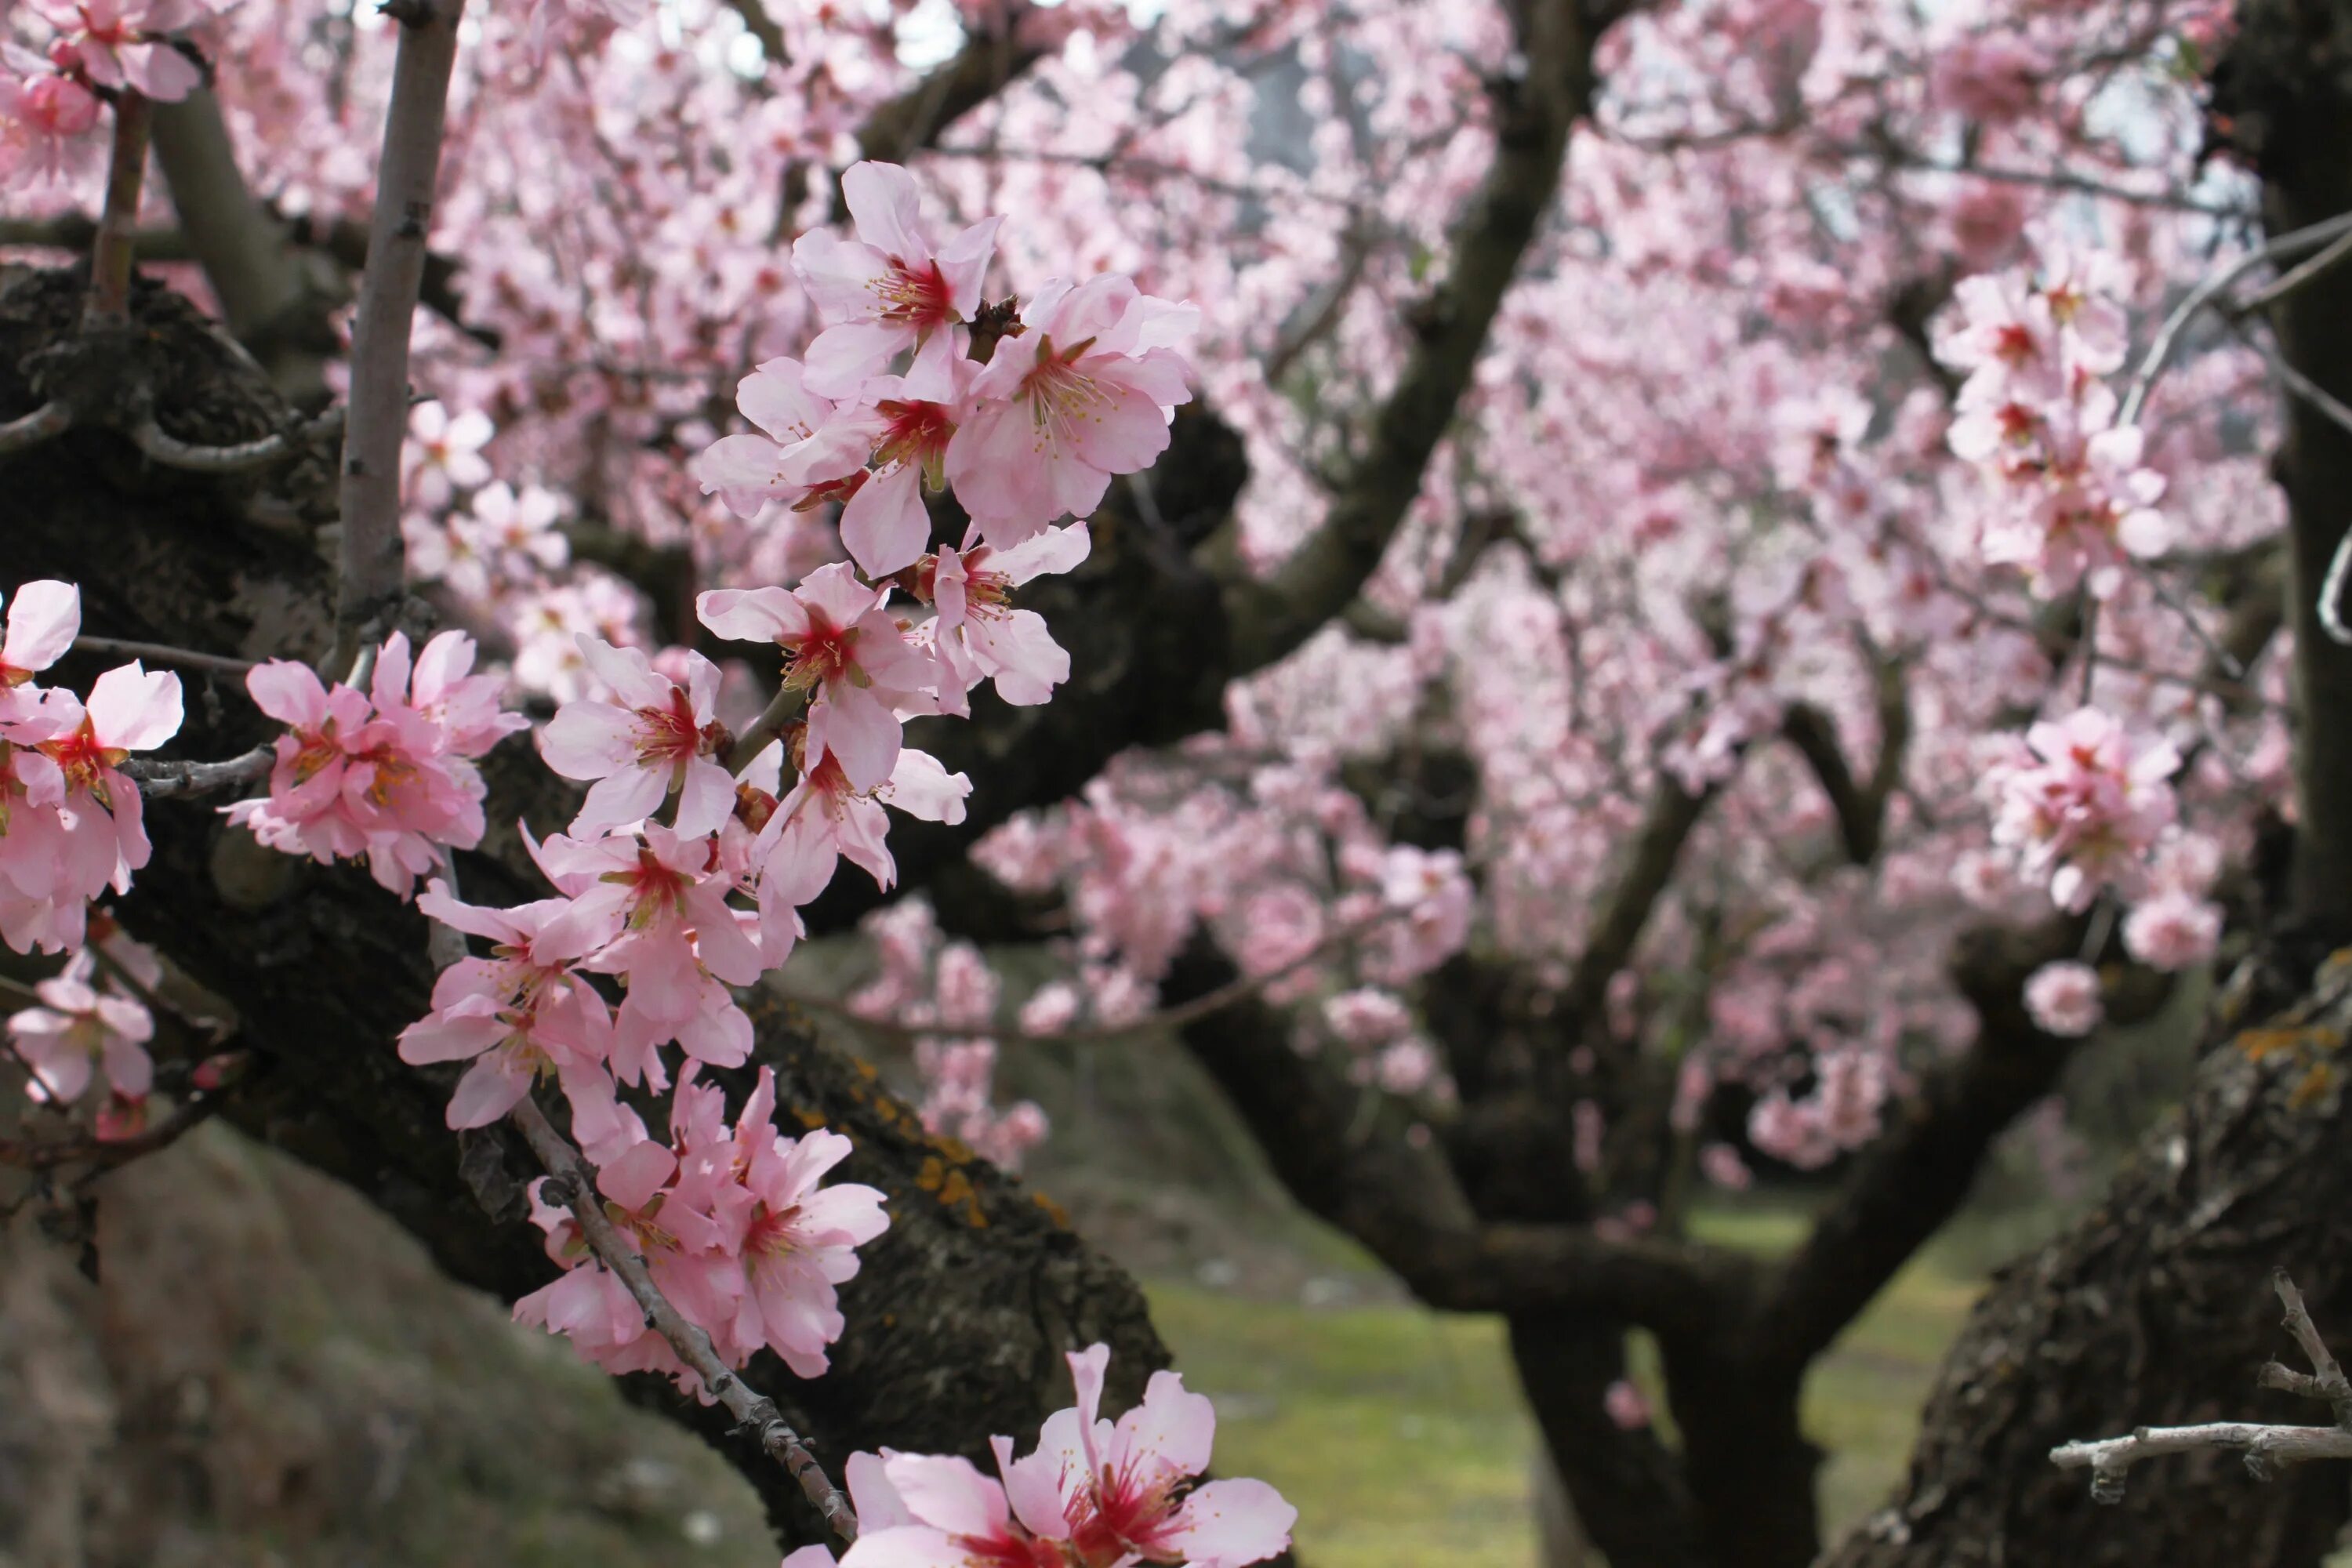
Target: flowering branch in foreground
(2267, 1448)
(572, 1182)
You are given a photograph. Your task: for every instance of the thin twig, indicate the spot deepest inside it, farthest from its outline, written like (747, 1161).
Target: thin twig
(2307, 272)
(126, 170)
(574, 1184)
(163, 653)
(2331, 592)
(372, 567)
(161, 780)
(2286, 244)
(106, 1153)
(50, 419)
(2265, 1446)
(244, 456)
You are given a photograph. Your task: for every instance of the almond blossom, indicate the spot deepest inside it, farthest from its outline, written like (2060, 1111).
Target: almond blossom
(979, 636)
(127, 43)
(659, 739)
(649, 908)
(888, 291)
(1093, 1494)
(1086, 393)
(735, 1228)
(841, 644)
(46, 113)
(78, 1028)
(388, 774)
(2082, 804)
(2063, 998)
(802, 459)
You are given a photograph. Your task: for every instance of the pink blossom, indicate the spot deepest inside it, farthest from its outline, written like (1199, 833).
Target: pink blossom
(979, 635)
(44, 619)
(797, 1240)
(1721, 1164)
(2174, 929)
(1122, 1491)
(826, 819)
(2084, 805)
(802, 457)
(660, 738)
(45, 113)
(1084, 393)
(885, 524)
(78, 1027)
(1625, 1406)
(888, 291)
(125, 43)
(2063, 998)
(445, 454)
(840, 643)
(649, 907)
(1991, 79)
(390, 773)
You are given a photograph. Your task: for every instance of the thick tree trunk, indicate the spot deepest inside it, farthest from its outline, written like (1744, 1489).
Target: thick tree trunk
(959, 1320)
(2282, 98)
(2155, 1310)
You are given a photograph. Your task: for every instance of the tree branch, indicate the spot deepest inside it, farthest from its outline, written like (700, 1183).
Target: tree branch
(572, 1182)
(48, 421)
(2265, 1446)
(1268, 618)
(372, 565)
(1861, 808)
(1625, 912)
(1346, 1158)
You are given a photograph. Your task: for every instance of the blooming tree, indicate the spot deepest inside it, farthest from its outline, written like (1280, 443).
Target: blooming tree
(1576, 596)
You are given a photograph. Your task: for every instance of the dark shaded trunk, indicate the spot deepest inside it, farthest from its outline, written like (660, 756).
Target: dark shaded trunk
(960, 1316)
(2155, 1311)
(1749, 1466)
(2283, 101)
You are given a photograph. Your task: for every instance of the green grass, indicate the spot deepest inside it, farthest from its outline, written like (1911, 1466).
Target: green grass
(1399, 1434)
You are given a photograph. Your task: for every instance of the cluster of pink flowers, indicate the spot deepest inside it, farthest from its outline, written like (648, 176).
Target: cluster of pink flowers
(732, 1225)
(50, 100)
(2080, 803)
(2084, 808)
(684, 872)
(387, 773)
(1094, 1493)
(948, 990)
(1080, 390)
(83, 1025)
(2071, 502)
(69, 820)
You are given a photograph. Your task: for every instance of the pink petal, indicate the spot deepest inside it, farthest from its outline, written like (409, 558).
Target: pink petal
(884, 527)
(752, 615)
(135, 709)
(489, 1089)
(588, 740)
(849, 724)
(1227, 1524)
(43, 621)
(949, 1492)
(882, 199)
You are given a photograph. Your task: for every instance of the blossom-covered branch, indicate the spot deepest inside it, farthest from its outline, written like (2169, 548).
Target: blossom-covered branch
(574, 1185)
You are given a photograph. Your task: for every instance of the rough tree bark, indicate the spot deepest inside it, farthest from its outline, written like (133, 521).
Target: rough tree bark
(963, 1312)
(2155, 1311)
